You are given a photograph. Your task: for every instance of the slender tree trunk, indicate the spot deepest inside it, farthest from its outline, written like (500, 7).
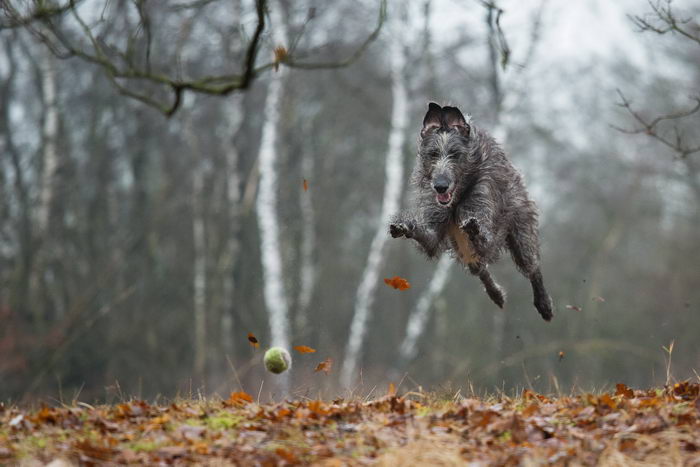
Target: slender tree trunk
(390, 204)
(49, 134)
(47, 190)
(308, 242)
(199, 267)
(199, 274)
(228, 259)
(271, 255)
(419, 315)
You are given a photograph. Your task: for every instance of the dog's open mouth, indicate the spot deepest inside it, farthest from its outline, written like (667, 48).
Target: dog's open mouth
(444, 198)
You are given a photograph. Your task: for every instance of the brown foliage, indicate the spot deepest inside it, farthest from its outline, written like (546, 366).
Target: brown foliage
(627, 427)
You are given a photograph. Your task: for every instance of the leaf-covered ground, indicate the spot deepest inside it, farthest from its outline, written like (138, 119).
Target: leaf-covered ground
(656, 427)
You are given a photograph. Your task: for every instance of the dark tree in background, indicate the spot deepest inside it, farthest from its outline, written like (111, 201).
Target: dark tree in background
(131, 244)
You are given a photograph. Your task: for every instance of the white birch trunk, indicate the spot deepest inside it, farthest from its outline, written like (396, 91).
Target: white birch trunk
(49, 134)
(266, 206)
(418, 319)
(390, 205)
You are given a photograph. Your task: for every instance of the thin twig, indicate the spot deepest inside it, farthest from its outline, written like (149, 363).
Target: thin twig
(649, 127)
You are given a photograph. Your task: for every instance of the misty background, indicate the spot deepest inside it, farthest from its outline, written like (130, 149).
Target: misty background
(153, 206)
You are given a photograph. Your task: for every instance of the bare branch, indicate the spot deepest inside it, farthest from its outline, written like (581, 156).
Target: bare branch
(290, 62)
(495, 25)
(42, 12)
(650, 127)
(121, 69)
(663, 20)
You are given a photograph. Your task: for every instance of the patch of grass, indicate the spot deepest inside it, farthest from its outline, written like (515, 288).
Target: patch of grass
(143, 446)
(223, 420)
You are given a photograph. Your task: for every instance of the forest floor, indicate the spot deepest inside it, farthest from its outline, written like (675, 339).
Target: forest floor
(624, 427)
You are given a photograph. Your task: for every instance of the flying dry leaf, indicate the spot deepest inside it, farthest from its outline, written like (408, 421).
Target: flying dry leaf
(392, 390)
(325, 366)
(598, 299)
(561, 355)
(305, 185)
(304, 349)
(398, 283)
(240, 398)
(280, 56)
(574, 307)
(253, 340)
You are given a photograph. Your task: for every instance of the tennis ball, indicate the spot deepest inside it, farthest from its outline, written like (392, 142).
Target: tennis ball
(277, 360)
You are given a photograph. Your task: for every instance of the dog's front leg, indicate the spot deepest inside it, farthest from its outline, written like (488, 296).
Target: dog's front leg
(427, 237)
(476, 218)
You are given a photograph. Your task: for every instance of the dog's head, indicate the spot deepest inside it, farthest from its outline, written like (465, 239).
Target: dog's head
(443, 150)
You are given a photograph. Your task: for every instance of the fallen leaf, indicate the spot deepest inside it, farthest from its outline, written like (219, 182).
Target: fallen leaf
(240, 398)
(318, 408)
(574, 307)
(304, 349)
(530, 409)
(287, 455)
(605, 399)
(325, 366)
(392, 390)
(306, 185)
(622, 390)
(253, 340)
(398, 283)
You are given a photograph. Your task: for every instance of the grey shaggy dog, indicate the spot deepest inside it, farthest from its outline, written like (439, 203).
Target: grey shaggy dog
(471, 201)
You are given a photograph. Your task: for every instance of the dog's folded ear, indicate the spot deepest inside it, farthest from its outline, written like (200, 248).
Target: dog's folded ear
(432, 120)
(453, 118)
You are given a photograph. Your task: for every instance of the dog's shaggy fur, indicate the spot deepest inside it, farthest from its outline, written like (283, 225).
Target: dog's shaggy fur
(471, 201)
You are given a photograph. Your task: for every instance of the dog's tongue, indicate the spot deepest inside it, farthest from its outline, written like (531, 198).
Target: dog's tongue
(444, 197)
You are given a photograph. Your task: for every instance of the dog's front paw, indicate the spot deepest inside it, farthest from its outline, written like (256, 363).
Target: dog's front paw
(477, 235)
(402, 229)
(471, 227)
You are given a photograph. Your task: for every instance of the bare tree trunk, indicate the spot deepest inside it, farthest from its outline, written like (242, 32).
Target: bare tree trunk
(47, 192)
(199, 267)
(271, 254)
(199, 274)
(228, 259)
(308, 242)
(419, 316)
(390, 204)
(49, 133)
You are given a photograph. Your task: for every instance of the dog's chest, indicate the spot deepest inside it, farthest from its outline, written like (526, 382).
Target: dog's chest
(461, 244)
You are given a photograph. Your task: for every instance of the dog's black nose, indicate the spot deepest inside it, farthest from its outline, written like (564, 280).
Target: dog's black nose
(441, 184)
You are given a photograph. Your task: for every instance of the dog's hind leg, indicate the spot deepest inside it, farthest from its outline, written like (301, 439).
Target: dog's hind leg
(524, 248)
(494, 291)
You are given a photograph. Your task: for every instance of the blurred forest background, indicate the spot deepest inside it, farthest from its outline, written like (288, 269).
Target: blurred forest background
(153, 209)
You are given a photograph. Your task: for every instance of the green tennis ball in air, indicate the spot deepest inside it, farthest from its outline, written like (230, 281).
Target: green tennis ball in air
(277, 360)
